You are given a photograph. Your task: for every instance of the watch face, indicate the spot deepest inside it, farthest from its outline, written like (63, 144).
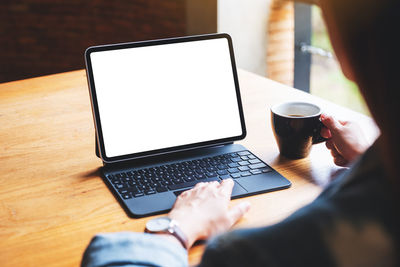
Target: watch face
(158, 224)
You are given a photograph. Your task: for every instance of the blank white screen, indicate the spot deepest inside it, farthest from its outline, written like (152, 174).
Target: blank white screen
(164, 96)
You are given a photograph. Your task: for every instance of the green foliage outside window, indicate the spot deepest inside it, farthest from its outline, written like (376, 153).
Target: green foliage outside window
(327, 80)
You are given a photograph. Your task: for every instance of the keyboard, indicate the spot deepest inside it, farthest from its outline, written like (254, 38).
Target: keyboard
(185, 174)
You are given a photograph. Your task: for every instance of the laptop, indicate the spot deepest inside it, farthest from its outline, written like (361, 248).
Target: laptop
(166, 114)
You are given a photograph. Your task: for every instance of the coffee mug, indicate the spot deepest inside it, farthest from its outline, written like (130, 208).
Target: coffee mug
(297, 127)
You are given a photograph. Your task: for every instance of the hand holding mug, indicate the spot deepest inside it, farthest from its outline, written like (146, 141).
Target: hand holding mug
(345, 140)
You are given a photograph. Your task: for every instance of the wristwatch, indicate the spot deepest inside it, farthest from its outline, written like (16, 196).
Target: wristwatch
(168, 226)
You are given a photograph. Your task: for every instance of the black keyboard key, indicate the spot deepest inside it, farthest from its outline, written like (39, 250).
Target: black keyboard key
(123, 191)
(161, 189)
(254, 161)
(189, 173)
(204, 164)
(132, 183)
(244, 153)
(243, 174)
(211, 174)
(227, 176)
(115, 181)
(149, 175)
(179, 175)
(138, 194)
(233, 165)
(222, 172)
(233, 170)
(166, 183)
(237, 159)
(243, 163)
(200, 176)
(150, 192)
(157, 179)
(127, 179)
(244, 168)
(177, 181)
(119, 186)
(126, 196)
(134, 189)
(154, 185)
(222, 167)
(168, 176)
(256, 171)
(200, 171)
(235, 175)
(257, 166)
(189, 179)
(211, 169)
(213, 163)
(264, 170)
(142, 187)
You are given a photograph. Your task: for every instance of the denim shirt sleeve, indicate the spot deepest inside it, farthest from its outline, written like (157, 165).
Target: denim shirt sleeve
(133, 249)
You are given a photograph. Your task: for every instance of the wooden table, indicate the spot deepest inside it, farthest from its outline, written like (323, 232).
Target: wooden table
(52, 197)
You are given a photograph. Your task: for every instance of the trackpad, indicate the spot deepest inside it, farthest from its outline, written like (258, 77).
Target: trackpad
(263, 182)
(238, 190)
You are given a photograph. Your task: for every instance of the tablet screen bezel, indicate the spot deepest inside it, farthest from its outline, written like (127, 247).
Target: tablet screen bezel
(95, 109)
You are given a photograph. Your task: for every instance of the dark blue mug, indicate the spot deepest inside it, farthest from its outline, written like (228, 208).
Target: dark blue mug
(297, 127)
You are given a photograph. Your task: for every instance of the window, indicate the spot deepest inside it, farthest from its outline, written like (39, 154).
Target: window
(316, 68)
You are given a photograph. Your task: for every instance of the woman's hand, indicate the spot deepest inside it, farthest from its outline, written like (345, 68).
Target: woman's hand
(203, 211)
(346, 140)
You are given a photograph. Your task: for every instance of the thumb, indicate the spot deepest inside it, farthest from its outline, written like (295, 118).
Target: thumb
(332, 124)
(238, 211)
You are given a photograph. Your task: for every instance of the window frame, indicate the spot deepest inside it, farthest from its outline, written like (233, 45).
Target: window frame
(302, 36)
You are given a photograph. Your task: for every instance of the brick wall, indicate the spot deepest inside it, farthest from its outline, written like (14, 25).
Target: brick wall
(39, 37)
(280, 51)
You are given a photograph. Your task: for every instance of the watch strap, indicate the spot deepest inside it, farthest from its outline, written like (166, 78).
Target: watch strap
(176, 231)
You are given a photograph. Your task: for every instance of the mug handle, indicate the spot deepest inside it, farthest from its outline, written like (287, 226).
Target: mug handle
(317, 138)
